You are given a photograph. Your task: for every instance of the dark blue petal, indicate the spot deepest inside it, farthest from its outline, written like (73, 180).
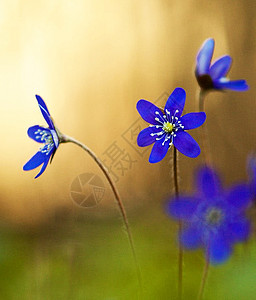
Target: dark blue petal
(148, 110)
(238, 231)
(183, 208)
(204, 57)
(158, 151)
(176, 102)
(220, 67)
(145, 138)
(191, 238)
(208, 183)
(193, 120)
(239, 196)
(38, 159)
(45, 111)
(35, 136)
(219, 250)
(234, 85)
(186, 144)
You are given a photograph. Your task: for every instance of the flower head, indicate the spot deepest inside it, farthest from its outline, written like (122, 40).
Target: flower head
(213, 218)
(168, 127)
(47, 136)
(213, 76)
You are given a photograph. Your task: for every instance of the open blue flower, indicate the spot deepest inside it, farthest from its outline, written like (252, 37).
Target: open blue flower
(47, 136)
(215, 76)
(168, 127)
(213, 218)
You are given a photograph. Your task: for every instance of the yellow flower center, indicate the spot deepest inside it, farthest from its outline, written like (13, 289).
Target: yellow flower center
(168, 127)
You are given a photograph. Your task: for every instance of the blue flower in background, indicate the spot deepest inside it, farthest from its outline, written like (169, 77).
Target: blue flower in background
(214, 76)
(213, 218)
(168, 127)
(47, 136)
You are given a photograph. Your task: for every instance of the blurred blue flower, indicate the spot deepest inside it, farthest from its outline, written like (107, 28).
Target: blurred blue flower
(47, 136)
(214, 76)
(213, 218)
(168, 127)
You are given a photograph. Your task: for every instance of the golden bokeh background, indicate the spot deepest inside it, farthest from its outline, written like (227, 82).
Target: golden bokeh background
(91, 61)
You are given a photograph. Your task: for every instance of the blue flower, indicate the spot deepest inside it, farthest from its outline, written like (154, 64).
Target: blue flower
(168, 127)
(47, 136)
(214, 76)
(213, 218)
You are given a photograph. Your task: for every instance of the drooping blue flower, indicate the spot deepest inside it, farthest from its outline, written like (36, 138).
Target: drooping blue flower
(47, 136)
(168, 127)
(214, 76)
(214, 218)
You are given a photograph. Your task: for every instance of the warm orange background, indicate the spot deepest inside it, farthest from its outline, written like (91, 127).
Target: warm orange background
(91, 61)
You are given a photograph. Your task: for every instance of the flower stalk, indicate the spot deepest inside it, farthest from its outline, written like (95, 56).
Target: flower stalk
(204, 278)
(66, 139)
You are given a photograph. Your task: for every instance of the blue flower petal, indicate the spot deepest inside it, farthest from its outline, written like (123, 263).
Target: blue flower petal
(220, 67)
(238, 231)
(35, 136)
(208, 183)
(45, 111)
(176, 102)
(144, 138)
(183, 208)
(204, 57)
(186, 144)
(251, 168)
(158, 151)
(239, 196)
(235, 85)
(149, 112)
(38, 159)
(191, 238)
(219, 250)
(193, 120)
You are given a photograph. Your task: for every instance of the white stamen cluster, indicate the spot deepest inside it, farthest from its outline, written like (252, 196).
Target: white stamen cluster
(46, 137)
(169, 125)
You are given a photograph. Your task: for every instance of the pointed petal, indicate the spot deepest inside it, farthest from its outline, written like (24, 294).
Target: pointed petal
(35, 161)
(238, 231)
(220, 67)
(183, 208)
(204, 57)
(208, 183)
(239, 196)
(176, 102)
(193, 120)
(42, 169)
(34, 134)
(149, 111)
(158, 151)
(219, 250)
(234, 85)
(45, 111)
(186, 144)
(145, 138)
(191, 238)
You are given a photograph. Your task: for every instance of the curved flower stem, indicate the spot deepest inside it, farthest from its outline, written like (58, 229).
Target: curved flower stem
(204, 277)
(67, 139)
(204, 134)
(180, 250)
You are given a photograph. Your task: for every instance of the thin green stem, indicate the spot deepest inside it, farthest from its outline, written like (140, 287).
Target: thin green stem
(67, 139)
(204, 133)
(204, 278)
(180, 249)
